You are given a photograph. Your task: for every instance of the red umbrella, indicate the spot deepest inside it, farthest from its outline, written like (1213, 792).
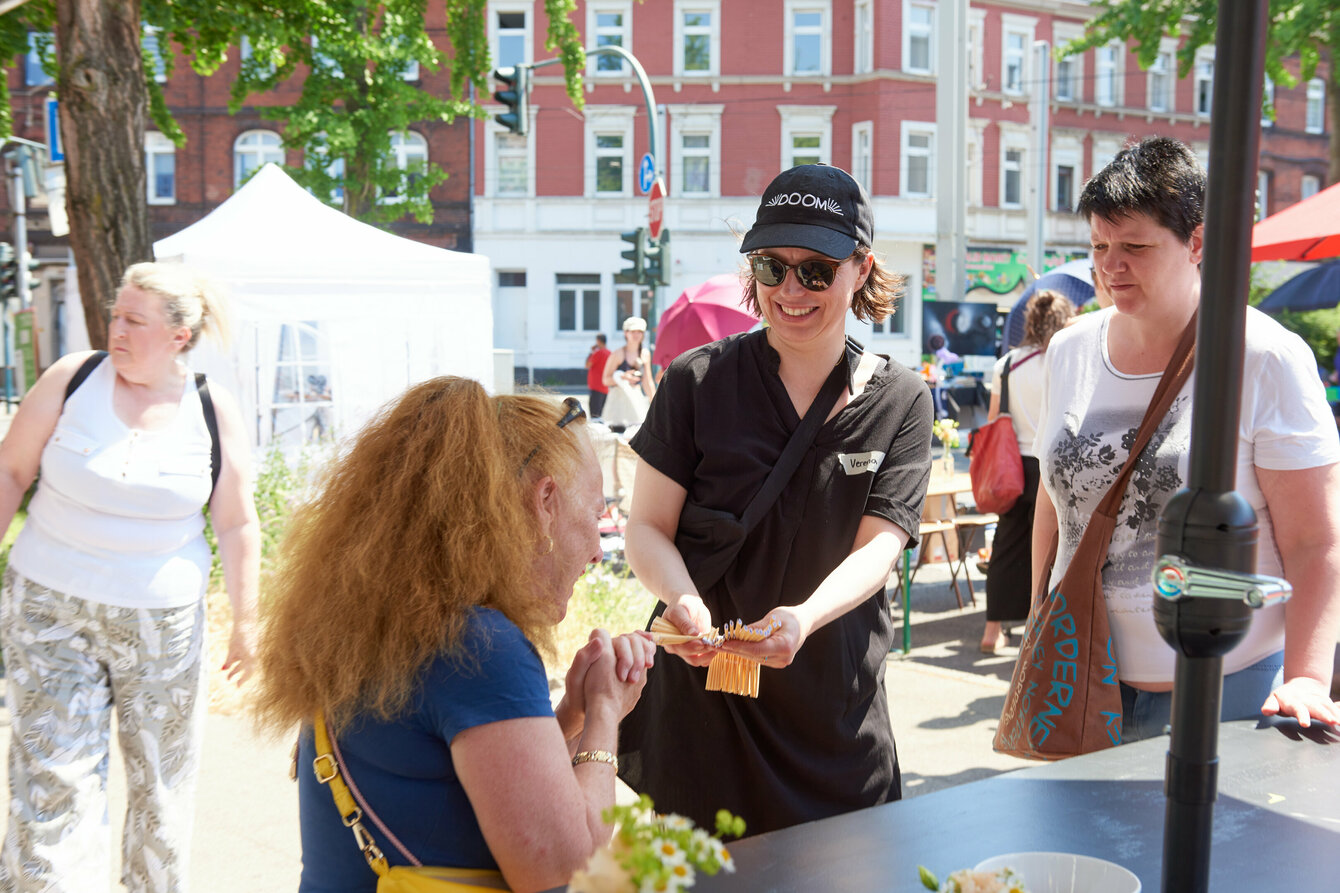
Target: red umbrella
(1309, 230)
(702, 314)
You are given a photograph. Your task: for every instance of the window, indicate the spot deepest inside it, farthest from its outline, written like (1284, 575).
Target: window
(695, 150)
(1268, 103)
(1069, 71)
(863, 57)
(1065, 188)
(807, 39)
(973, 156)
(253, 149)
(896, 323)
(611, 23)
(324, 63)
(512, 163)
(578, 302)
(918, 150)
(862, 156)
(410, 151)
(609, 163)
(245, 51)
(1262, 195)
(154, 61)
(302, 406)
(1107, 61)
(1012, 177)
(1103, 153)
(511, 36)
(976, 69)
(806, 134)
(160, 166)
(918, 37)
(1159, 81)
(631, 300)
(1013, 75)
(39, 42)
(697, 38)
(1316, 106)
(1310, 186)
(696, 164)
(511, 278)
(1204, 85)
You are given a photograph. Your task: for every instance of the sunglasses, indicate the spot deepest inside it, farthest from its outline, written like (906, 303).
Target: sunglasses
(572, 412)
(815, 274)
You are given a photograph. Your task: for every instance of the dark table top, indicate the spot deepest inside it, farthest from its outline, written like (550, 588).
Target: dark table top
(1276, 822)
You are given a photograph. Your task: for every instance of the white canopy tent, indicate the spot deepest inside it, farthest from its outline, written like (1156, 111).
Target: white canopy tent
(331, 317)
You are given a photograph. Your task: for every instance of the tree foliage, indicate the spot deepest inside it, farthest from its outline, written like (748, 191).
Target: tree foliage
(1306, 29)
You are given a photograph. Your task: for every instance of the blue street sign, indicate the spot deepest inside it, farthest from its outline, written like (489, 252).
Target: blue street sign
(54, 151)
(646, 173)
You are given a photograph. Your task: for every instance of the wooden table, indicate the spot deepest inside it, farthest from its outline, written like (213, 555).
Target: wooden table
(942, 490)
(1276, 822)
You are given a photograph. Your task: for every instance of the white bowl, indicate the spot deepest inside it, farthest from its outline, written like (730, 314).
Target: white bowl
(1065, 873)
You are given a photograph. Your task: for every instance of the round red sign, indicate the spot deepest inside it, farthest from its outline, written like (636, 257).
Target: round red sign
(656, 208)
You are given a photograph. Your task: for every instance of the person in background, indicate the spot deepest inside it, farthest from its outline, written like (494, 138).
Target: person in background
(630, 363)
(421, 646)
(1010, 573)
(1146, 218)
(596, 388)
(817, 740)
(104, 607)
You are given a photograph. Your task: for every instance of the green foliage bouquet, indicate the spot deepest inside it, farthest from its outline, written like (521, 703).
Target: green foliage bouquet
(652, 853)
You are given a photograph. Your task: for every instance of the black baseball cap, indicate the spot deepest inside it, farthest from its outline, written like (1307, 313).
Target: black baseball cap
(814, 206)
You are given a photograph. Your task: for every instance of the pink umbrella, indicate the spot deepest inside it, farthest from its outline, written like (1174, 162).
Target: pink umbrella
(702, 314)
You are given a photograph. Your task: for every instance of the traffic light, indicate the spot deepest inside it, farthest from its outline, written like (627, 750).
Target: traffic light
(636, 256)
(29, 264)
(515, 95)
(656, 262)
(9, 272)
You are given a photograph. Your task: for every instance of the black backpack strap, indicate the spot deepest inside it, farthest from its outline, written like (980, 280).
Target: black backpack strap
(212, 423)
(84, 371)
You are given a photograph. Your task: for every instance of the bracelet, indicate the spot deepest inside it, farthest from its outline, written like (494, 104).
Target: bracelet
(596, 756)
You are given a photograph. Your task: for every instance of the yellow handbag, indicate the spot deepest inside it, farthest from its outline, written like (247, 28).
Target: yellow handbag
(413, 878)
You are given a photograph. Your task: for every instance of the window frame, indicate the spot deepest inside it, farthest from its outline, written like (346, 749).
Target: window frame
(1267, 99)
(259, 150)
(694, 120)
(1063, 33)
(156, 144)
(824, 31)
(581, 295)
(596, 8)
(907, 129)
(712, 31)
(1013, 139)
(911, 32)
(1113, 69)
(493, 167)
(1067, 152)
(1203, 83)
(863, 39)
(1316, 101)
(1304, 182)
(1263, 178)
(398, 149)
(608, 120)
(798, 120)
(1024, 26)
(1162, 73)
(496, 32)
(863, 162)
(32, 61)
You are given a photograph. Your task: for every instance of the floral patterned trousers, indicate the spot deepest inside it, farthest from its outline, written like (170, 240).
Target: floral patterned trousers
(68, 664)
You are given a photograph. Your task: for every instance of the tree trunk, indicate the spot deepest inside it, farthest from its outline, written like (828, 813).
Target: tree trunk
(103, 104)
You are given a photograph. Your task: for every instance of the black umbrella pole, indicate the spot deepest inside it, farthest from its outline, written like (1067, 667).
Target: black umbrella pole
(1209, 524)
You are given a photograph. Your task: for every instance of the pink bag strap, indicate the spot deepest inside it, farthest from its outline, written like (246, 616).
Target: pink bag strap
(362, 803)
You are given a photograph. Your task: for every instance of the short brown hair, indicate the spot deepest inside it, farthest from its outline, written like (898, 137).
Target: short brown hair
(874, 301)
(1045, 314)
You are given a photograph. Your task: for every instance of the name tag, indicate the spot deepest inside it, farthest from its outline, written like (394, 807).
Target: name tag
(860, 463)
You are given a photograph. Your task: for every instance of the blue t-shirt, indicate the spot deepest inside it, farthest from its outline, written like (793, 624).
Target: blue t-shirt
(404, 768)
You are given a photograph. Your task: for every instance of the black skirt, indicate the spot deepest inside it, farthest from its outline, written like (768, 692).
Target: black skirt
(1009, 576)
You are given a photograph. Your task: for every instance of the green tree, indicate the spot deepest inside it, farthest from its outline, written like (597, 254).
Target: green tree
(1308, 29)
(353, 98)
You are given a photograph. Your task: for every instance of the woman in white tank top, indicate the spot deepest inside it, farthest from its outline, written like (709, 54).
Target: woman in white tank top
(103, 600)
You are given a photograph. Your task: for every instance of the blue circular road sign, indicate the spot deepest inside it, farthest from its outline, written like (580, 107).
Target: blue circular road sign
(646, 173)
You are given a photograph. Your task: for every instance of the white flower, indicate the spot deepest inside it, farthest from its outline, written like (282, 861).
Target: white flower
(669, 852)
(682, 876)
(602, 874)
(676, 822)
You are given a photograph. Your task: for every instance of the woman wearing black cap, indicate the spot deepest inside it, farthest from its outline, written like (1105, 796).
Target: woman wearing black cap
(817, 741)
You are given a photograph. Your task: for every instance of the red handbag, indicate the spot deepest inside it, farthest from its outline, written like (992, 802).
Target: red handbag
(994, 464)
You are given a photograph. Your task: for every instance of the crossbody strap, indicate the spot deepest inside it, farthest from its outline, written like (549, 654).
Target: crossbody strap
(1004, 407)
(1170, 384)
(84, 371)
(330, 770)
(212, 424)
(801, 440)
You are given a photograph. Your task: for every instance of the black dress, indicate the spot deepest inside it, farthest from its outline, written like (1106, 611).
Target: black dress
(817, 741)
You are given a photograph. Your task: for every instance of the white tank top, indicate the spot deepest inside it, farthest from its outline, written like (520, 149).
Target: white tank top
(117, 514)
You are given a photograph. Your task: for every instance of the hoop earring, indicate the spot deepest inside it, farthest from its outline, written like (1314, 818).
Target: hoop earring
(549, 548)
